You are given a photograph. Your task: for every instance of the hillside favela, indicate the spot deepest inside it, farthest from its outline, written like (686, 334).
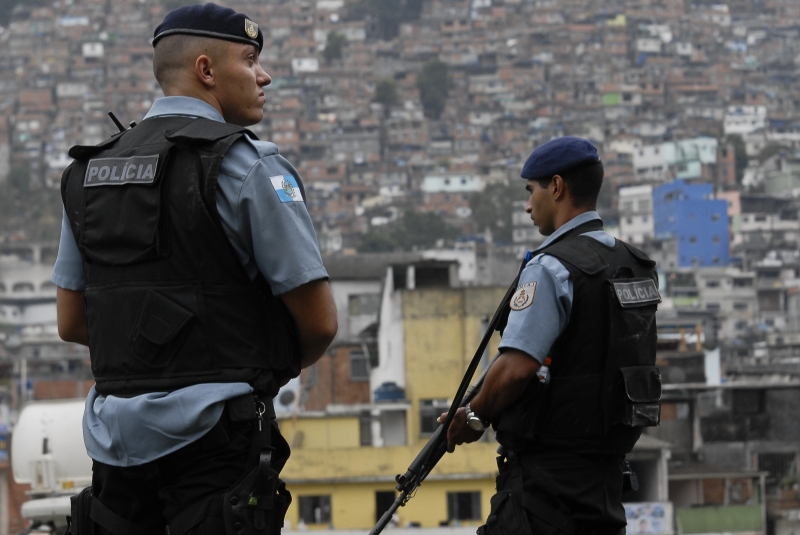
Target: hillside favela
(409, 122)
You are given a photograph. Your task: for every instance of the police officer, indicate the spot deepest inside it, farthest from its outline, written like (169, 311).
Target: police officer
(556, 393)
(189, 265)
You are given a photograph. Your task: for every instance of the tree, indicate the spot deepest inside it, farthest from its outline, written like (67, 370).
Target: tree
(376, 241)
(771, 150)
(333, 47)
(433, 82)
(415, 230)
(386, 92)
(387, 15)
(493, 209)
(421, 230)
(740, 155)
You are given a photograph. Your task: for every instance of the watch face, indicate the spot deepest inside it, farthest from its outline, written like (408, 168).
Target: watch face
(475, 423)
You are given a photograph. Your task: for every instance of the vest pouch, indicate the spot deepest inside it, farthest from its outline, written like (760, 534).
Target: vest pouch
(160, 331)
(126, 218)
(638, 398)
(148, 332)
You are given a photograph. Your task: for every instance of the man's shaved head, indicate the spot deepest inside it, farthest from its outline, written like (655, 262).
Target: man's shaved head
(174, 56)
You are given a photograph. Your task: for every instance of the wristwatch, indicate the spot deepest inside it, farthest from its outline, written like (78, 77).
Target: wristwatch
(474, 421)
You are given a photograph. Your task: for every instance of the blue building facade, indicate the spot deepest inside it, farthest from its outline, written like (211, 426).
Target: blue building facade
(699, 223)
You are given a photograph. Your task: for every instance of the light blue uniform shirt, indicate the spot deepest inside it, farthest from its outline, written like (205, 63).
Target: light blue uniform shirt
(534, 328)
(270, 232)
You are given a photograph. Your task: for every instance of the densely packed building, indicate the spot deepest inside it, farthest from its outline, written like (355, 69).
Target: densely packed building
(693, 107)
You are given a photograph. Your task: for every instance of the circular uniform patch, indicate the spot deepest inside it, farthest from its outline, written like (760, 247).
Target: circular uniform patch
(523, 297)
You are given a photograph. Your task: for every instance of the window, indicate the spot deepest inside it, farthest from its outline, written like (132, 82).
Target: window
(23, 287)
(315, 509)
(363, 304)
(359, 366)
(383, 501)
(715, 239)
(712, 284)
(778, 464)
(712, 306)
(748, 401)
(429, 410)
(714, 217)
(365, 428)
(644, 205)
(463, 506)
(692, 239)
(740, 306)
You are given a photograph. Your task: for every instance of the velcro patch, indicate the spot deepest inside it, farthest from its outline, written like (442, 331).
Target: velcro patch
(286, 187)
(118, 171)
(636, 293)
(523, 297)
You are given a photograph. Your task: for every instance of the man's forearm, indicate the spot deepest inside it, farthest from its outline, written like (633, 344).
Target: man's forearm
(507, 378)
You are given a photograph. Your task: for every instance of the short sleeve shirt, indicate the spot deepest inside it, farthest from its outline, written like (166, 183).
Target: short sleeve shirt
(542, 303)
(270, 231)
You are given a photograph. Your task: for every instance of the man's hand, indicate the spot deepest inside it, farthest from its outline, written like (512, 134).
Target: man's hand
(459, 432)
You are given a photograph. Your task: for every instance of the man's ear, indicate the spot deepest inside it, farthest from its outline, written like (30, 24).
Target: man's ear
(559, 187)
(204, 71)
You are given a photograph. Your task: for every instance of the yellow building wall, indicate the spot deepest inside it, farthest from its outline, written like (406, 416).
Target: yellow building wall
(442, 329)
(353, 504)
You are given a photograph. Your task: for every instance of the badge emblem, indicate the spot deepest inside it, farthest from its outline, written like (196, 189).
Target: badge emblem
(523, 297)
(250, 28)
(288, 188)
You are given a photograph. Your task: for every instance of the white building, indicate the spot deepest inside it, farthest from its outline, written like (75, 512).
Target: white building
(744, 119)
(636, 214)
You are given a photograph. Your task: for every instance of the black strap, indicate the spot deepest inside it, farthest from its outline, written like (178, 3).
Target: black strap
(117, 525)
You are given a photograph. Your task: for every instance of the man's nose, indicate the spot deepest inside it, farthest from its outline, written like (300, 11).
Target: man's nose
(263, 78)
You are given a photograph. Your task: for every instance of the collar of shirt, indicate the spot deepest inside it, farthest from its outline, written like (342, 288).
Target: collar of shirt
(190, 106)
(569, 225)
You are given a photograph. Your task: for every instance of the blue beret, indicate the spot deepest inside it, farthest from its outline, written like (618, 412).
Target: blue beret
(210, 20)
(558, 156)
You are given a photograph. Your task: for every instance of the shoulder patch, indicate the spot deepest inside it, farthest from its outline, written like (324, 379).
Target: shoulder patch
(523, 297)
(286, 187)
(636, 293)
(118, 171)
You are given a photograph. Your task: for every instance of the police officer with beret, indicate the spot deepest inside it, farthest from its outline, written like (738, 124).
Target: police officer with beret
(189, 266)
(574, 383)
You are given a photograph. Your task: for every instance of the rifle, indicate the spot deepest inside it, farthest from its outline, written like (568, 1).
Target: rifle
(436, 447)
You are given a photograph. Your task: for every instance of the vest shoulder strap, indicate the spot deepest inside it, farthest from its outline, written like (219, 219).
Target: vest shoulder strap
(205, 131)
(642, 258)
(84, 152)
(578, 252)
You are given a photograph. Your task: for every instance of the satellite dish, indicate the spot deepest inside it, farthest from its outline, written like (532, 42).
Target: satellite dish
(286, 398)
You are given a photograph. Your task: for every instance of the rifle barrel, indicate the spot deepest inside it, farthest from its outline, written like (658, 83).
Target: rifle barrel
(387, 516)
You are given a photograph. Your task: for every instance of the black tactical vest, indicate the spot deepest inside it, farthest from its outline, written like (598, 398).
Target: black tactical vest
(604, 386)
(168, 304)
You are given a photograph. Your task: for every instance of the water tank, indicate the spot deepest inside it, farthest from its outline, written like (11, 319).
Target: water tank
(47, 448)
(389, 392)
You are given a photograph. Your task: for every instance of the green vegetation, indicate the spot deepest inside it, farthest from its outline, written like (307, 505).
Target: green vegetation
(386, 92)
(28, 209)
(740, 155)
(493, 207)
(333, 47)
(386, 14)
(771, 150)
(418, 230)
(433, 82)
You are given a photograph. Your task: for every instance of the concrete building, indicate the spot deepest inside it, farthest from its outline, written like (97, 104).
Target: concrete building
(688, 213)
